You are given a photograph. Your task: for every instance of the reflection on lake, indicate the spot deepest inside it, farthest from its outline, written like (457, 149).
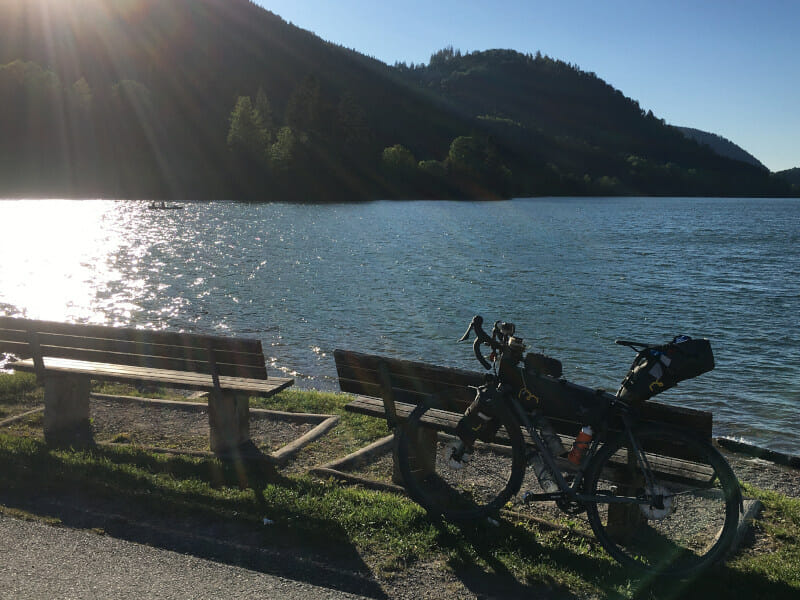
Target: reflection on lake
(403, 279)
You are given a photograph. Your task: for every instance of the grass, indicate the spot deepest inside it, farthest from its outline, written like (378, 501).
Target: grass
(779, 558)
(121, 389)
(19, 393)
(390, 534)
(354, 431)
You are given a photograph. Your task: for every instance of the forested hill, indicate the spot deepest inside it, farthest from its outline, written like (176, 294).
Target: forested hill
(580, 126)
(791, 175)
(223, 99)
(134, 98)
(722, 146)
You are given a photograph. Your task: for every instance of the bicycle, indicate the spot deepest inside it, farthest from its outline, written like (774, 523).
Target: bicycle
(671, 514)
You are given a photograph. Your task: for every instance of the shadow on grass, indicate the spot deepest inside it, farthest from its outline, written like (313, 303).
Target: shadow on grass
(477, 553)
(248, 515)
(215, 510)
(476, 559)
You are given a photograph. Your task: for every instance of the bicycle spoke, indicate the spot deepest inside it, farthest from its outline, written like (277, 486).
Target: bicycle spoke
(679, 528)
(466, 489)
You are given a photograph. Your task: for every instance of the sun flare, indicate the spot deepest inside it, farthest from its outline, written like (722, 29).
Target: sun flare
(49, 264)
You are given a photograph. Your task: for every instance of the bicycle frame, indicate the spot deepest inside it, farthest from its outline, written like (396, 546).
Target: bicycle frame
(570, 491)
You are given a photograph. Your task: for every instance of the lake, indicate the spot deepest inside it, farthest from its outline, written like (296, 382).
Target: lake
(404, 279)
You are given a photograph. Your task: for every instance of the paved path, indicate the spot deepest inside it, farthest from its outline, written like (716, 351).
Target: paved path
(43, 562)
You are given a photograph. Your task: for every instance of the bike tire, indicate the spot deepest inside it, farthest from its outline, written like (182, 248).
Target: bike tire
(480, 488)
(694, 524)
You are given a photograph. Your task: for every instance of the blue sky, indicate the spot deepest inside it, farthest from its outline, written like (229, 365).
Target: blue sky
(730, 67)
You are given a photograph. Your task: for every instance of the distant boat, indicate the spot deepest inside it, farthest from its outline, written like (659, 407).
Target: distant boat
(164, 206)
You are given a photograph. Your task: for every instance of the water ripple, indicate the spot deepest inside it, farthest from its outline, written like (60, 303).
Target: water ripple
(403, 279)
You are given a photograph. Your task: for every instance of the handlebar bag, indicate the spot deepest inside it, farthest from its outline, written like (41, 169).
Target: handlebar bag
(659, 368)
(542, 364)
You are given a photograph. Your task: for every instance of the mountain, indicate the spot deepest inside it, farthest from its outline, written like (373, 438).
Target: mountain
(223, 99)
(721, 146)
(790, 175)
(586, 130)
(135, 99)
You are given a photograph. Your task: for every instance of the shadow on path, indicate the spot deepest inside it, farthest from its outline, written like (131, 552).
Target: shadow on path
(211, 529)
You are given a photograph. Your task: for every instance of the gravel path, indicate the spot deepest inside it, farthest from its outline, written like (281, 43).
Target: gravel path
(765, 474)
(42, 561)
(174, 426)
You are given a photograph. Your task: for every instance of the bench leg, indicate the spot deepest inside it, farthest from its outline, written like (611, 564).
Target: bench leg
(625, 519)
(66, 410)
(424, 454)
(229, 421)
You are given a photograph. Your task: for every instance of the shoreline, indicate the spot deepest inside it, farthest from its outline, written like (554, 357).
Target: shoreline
(759, 452)
(727, 445)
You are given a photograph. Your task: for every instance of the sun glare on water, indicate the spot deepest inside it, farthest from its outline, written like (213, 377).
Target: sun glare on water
(50, 254)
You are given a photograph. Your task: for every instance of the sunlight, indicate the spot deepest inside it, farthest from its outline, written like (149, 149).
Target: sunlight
(49, 264)
(122, 37)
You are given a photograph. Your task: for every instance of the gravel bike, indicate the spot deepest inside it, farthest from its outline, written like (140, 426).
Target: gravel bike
(658, 499)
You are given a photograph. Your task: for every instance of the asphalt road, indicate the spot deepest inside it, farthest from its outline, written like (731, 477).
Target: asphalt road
(42, 561)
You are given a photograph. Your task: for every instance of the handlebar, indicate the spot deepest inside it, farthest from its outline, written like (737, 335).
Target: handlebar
(481, 337)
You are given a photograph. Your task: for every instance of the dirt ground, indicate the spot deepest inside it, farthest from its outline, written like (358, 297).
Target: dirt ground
(177, 427)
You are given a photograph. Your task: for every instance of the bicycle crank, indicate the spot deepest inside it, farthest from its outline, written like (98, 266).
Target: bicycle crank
(660, 504)
(457, 454)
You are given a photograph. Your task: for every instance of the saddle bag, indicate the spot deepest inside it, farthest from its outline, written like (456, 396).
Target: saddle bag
(657, 369)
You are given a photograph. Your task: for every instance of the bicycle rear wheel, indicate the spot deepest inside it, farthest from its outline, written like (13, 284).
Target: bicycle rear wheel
(471, 489)
(687, 508)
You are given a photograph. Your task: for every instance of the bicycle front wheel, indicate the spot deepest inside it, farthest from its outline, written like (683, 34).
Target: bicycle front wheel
(459, 489)
(673, 516)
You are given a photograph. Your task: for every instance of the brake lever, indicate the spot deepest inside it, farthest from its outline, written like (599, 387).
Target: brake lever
(476, 325)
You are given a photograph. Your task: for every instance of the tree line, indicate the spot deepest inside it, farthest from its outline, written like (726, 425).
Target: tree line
(223, 99)
(315, 130)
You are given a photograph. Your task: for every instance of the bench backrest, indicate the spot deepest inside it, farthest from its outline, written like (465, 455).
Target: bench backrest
(218, 356)
(563, 402)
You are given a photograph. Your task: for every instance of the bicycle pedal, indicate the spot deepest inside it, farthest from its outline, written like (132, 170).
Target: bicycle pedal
(527, 497)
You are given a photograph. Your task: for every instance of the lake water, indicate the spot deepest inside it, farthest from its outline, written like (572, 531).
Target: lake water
(404, 280)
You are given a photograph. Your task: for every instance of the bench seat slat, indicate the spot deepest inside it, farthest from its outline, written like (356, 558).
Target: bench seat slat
(182, 379)
(143, 336)
(251, 358)
(563, 416)
(358, 374)
(244, 351)
(446, 421)
(234, 357)
(456, 395)
(447, 401)
(21, 349)
(154, 362)
(367, 366)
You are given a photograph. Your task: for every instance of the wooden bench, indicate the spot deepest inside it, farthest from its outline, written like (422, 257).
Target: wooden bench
(390, 388)
(65, 357)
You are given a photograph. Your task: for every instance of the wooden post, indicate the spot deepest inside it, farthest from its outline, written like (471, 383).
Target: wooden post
(422, 454)
(387, 393)
(228, 414)
(36, 354)
(66, 410)
(625, 519)
(228, 420)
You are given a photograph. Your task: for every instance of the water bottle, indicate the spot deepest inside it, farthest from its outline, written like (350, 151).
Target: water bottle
(580, 445)
(550, 437)
(543, 474)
